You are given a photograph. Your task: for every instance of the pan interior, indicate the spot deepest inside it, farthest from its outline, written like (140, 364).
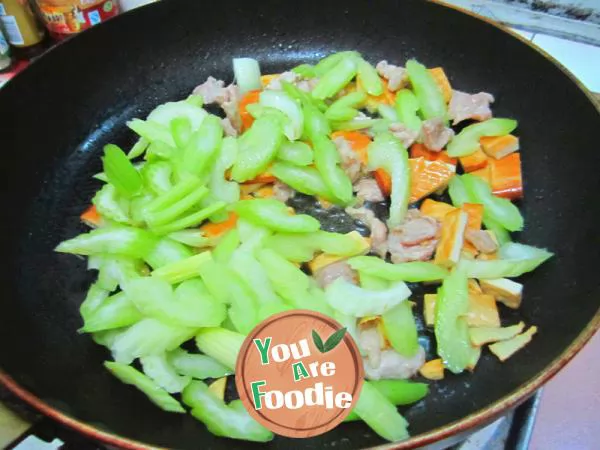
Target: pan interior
(59, 113)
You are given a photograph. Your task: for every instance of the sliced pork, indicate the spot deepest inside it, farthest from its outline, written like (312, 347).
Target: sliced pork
(465, 106)
(395, 75)
(435, 135)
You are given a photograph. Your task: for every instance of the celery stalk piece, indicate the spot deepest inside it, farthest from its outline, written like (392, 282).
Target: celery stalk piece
(201, 151)
(167, 251)
(305, 70)
(307, 180)
(344, 108)
(166, 113)
(247, 74)
(501, 233)
(407, 106)
(115, 312)
(231, 421)
(226, 246)
(458, 191)
(138, 148)
(358, 302)
(398, 392)
(467, 141)
(191, 238)
(160, 370)
(284, 275)
(185, 269)
(216, 276)
(327, 162)
(243, 311)
(387, 112)
(251, 271)
(116, 271)
(220, 188)
(360, 124)
(120, 172)
(94, 298)
(196, 366)
(401, 329)
(315, 122)
(175, 194)
(157, 176)
(515, 260)
(428, 93)
(388, 153)
(113, 240)
(181, 129)
(372, 282)
(152, 131)
(380, 414)
(157, 395)
(369, 78)
(500, 210)
(220, 344)
(297, 153)
(451, 329)
(156, 218)
(190, 220)
(274, 215)
(335, 79)
(112, 206)
(257, 148)
(330, 61)
(412, 272)
(149, 337)
(291, 109)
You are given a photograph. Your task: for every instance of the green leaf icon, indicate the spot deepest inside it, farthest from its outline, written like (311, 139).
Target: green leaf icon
(318, 341)
(331, 342)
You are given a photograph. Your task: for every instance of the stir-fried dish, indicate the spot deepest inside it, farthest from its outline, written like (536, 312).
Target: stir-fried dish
(194, 243)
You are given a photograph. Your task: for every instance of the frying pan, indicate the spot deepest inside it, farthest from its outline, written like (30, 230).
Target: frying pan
(58, 113)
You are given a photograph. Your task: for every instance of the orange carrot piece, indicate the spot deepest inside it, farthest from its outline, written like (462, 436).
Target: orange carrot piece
(474, 161)
(91, 217)
(213, 230)
(247, 99)
(442, 81)
(428, 177)
(506, 177)
(265, 177)
(266, 79)
(384, 181)
(499, 146)
(358, 142)
(420, 151)
(475, 213)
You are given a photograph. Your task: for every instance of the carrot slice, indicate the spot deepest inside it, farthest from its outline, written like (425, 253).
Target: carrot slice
(213, 230)
(91, 217)
(358, 142)
(247, 99)
(442, 81)
(420, 151)
(499, 146)
(265, 177)
(475, 161)
(384, 181)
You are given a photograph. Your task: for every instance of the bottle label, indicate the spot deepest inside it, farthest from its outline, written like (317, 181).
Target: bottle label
(3, 45)
(12, 30)
(2, 10)
(78, 16)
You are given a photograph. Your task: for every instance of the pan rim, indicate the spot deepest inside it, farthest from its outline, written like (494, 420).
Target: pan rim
(478, 418)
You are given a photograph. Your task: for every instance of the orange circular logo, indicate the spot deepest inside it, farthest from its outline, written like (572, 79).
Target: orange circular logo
(299, 373)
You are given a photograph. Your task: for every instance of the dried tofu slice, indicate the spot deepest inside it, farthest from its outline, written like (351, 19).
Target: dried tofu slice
(428, 177)
(485, 335)
(264, 192)
(433, 370)
(474, 287)
(506, 177)
(217, 387)
(453, 231)
(322, 260)
(499, 146)
(483, 311)
(419, 150)
(429, 309)
(442, 81)
(506, 291)
(505, 349)
(475, 213)
(435, 209)
(474, 359)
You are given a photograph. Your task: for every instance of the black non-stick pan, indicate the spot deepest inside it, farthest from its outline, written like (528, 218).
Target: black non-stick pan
(56, 116)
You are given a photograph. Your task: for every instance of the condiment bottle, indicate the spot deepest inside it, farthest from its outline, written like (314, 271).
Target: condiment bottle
(5, 59)
(21, 27)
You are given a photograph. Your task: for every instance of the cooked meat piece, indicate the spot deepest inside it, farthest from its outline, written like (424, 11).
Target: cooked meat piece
(470, 106)
(415, 229)
(282, 192)
(435, 135)
(378, 229)
(406, 253)
(350, 160)
(290, 77)
(210, 90)
(230, 103)
(328, 274)
(382, 364)
(392, 365)
(367, 190)
(228, 128)
(415, 239)
(482, 240)
(395, 75)
(406, 135)
(307, 85)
